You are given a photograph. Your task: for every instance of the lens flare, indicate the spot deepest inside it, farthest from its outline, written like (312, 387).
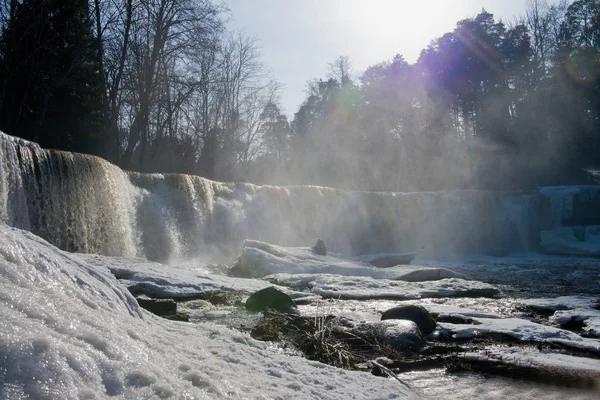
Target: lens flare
(583, 65)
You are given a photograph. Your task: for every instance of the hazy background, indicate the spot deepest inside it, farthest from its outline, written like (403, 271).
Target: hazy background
(297, 36)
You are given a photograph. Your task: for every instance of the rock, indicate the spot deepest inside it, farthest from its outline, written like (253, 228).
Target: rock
(271, 299)
(399, 334)
(391, 260)
(162, 307)
(319, 248)
(417, 314)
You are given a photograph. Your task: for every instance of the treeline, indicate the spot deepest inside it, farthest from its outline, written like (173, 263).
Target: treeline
(151, 85)
(488, 105)
(161, 85)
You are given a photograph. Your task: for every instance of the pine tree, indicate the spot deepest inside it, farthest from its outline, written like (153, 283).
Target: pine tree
(51, 83)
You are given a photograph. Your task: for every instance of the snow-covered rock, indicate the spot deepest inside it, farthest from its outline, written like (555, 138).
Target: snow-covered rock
(568, 309)
(259, 259)
(520, 329)
(366, 288)
(551, 366)
(70, 330)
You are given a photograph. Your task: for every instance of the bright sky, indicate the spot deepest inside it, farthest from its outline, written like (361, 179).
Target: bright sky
(300, 37)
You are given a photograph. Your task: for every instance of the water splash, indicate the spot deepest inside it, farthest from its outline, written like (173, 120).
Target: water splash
(85, 204)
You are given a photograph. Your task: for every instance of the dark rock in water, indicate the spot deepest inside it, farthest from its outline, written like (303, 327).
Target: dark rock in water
(417, 314)
(270, 299)
(391, 260)
(162, 307)
(319, 248)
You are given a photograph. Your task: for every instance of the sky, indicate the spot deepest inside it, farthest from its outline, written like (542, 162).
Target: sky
(298, 38)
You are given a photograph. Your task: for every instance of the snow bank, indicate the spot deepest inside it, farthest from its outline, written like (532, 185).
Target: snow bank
(70, 330)
(259, 259)
(366, 288)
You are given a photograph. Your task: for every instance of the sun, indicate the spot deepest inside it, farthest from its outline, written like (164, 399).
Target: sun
(401, 24)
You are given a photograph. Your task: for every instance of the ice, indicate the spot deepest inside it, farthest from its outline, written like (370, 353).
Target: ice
(164, 281)
(569, 309)
(71, 330)
(366, 288)
(575, 240)
(562, 200)
(533, 357)
(520, 329)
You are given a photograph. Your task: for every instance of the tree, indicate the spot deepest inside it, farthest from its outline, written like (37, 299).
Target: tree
(275, 130)
(168, 35)
(52, 90)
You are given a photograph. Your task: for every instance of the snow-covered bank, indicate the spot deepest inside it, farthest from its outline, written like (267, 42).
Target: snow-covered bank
(70, 330)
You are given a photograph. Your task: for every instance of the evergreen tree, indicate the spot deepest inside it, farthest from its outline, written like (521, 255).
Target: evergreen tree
(51, 82)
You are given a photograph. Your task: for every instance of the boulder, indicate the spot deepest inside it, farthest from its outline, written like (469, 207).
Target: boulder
(401, 335)
(270, 299)
(162, 307)
(417, 314)
(391, 260)
(319, 248)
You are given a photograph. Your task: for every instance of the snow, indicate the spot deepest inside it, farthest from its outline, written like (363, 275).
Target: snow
(541, 359)
(366, 288)
(259, 259)
(520, 329)
(571, 308)
(71, 330)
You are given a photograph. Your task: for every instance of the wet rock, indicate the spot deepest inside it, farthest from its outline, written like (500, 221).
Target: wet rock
(319, 248)
(400, 335)
(270, 299)
(162, 307)
(417, 314)
(391, 260)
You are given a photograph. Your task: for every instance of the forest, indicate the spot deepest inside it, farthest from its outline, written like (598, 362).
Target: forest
(165, 86)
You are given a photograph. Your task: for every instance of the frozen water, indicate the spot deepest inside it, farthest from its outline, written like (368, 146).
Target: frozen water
(365, 288)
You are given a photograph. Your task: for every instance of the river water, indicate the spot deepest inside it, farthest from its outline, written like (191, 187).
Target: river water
(519, 277)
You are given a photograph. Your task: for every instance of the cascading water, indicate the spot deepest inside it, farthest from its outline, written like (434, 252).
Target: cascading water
(83, 203)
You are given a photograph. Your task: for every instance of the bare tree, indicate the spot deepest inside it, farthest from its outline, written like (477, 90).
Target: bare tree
(167, 35)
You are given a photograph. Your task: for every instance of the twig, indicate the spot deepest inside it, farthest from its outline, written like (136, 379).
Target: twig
(389, 373)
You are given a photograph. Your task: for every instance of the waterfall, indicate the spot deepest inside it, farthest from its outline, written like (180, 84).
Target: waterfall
(82, 203)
